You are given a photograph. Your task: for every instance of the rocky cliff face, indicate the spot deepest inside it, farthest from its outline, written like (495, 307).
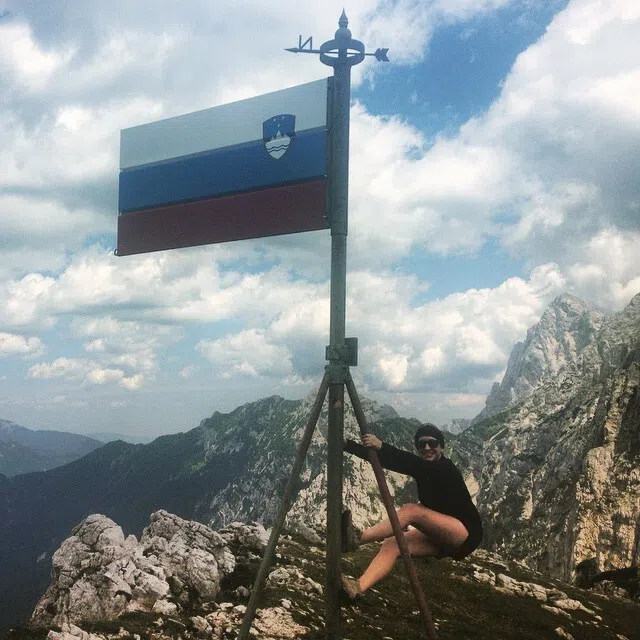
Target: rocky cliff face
(561, 342)
(456, 425)
(560, 472)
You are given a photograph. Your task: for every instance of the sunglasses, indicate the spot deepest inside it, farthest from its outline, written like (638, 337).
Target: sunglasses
(422, 444)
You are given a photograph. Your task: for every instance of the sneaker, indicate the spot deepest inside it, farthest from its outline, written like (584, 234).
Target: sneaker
(349, 535)
(351, 588)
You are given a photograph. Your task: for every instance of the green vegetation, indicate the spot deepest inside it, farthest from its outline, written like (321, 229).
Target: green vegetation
(490, 427)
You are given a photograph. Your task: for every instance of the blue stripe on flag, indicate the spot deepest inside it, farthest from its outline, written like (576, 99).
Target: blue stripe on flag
(223, 171)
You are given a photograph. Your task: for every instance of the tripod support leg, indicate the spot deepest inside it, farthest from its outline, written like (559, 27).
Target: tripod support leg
(391, 512)
(335, 444)
(267, 558)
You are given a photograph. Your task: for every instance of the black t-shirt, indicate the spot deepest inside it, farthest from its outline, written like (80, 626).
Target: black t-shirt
(440, 484)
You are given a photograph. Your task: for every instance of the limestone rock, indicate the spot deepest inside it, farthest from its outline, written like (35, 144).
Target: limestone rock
(559, 471)
(277, 622)
(563, 337)
(72, 632)
(556, 610)
(292, 576)
(569, 604)
(98, 574)
(253, 537)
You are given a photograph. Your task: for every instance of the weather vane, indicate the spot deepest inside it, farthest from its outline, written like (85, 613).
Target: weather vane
(330, 52)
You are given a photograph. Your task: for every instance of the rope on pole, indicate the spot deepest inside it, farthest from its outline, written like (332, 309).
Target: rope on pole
(391, 512)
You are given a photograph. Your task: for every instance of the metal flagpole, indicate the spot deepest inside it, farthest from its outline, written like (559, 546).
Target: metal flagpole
(336, 351)
(341, 53)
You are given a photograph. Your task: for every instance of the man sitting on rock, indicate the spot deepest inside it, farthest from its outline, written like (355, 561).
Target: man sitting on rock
(445, 523)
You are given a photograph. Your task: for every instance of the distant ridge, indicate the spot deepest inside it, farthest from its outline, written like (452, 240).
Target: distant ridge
(25, 450)
(105, 436)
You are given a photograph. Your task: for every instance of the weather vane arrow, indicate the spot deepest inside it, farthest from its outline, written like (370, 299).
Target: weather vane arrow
(380, 55)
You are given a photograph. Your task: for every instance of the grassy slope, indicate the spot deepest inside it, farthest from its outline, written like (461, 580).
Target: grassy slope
(464, 609)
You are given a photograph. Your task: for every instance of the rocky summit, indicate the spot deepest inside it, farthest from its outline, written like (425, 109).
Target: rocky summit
(182, 579)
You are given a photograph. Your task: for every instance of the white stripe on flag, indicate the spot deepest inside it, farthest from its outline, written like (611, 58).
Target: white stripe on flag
(222, 126)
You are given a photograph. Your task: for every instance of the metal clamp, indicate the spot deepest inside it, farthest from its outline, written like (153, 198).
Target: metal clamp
(346, 354)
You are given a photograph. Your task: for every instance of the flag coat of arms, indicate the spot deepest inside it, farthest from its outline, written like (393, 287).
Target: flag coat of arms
(247, 169)
(277, 133)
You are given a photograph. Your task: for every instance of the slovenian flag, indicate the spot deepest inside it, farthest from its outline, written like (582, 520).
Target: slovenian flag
(248, 169)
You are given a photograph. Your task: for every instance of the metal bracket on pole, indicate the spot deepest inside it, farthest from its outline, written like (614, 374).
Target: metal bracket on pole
(346, 353)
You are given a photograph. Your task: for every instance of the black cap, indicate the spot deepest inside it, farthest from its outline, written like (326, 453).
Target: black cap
(428, 429)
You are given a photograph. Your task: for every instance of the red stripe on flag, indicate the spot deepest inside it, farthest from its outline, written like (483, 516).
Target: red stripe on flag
(270, 212)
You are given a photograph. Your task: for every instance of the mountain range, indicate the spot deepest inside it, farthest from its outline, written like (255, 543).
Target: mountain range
(552, 460)
(24, 450)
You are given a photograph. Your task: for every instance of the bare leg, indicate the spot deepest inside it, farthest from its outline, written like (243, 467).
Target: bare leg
(445, 532)
(381, 565)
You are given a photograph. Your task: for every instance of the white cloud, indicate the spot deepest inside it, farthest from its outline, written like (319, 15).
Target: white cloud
(24, 59)
(463, 339)
(432, 359)
(102, 376)
(70, 368)
(24, 298)
(84, 371)
(132, 383)
(189, 371)
(607, 268)
(247, 353)
(549, 170)
(393, 367)
(95, 72)
(17, 345)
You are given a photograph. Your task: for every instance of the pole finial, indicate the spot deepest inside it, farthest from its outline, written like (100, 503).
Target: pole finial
(343, 33)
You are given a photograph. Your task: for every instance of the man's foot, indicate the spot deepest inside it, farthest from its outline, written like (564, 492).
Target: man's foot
(349, 535)
(351, 588)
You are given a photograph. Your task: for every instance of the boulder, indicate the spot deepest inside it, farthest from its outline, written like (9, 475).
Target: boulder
(98, 574)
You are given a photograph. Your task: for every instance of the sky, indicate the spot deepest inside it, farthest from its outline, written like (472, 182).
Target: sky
(493, 166)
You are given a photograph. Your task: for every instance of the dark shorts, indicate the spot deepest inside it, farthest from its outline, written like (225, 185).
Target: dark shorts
(466, 548)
